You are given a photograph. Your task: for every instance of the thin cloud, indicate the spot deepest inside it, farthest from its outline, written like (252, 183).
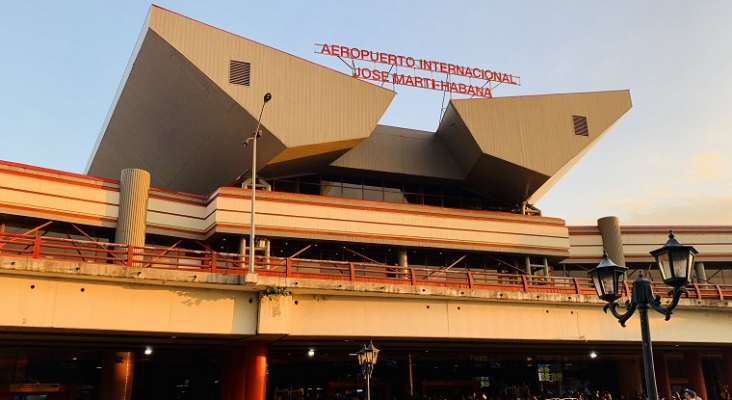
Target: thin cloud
(700, 211)
(706, 166)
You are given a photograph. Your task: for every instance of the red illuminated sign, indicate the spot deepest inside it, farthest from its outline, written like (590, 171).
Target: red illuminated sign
(394, 76)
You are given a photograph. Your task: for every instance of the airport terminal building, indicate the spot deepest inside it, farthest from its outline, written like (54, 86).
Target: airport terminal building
(136, 279)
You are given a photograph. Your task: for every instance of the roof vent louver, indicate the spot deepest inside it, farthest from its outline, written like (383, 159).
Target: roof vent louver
(239, 72)
(580, 126)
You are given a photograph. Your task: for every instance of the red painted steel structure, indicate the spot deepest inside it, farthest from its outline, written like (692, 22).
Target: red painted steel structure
(44, 247)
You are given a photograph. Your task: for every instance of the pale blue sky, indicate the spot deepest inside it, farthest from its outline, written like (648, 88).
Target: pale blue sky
(668, 161)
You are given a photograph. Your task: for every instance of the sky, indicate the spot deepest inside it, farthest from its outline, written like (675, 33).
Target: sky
(668, 161)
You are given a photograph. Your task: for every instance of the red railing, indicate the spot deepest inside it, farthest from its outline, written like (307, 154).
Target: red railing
(45, 247)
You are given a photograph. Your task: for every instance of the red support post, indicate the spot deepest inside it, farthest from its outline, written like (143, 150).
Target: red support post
(255, 386)
(412, 276)
(576, 285)
(721, 297)
(470, 279)
(525, 283)
(288, 267)
(696, 288)
(627, 288)
(130, 255)
(352, 270)
(694, 373)
(214, 261)
(36, 246)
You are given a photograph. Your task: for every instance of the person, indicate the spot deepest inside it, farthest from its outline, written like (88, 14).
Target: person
(691, 395)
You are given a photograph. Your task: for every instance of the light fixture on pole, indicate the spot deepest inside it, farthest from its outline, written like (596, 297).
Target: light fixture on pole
(675, 262)
(367, 360)
(257, 133)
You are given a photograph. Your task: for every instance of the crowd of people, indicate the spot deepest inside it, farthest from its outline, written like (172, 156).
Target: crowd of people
(687, 394)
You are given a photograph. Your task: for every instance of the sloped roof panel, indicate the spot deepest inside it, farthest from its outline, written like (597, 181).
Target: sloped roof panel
(515, 148)
(401, 151)
(311, 104)
(537, 132)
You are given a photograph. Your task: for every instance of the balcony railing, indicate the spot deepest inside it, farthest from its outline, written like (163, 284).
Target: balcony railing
(45, 247)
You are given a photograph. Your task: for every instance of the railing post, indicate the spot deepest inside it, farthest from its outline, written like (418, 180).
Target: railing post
(719, 290)
(288, 267)
(352, 269)
(525, 282)
(130, 254)
(36, 246)
(627, 288)
(412, 276)
(696, 287)
(470, 279)
(576, 285)
(214, 261)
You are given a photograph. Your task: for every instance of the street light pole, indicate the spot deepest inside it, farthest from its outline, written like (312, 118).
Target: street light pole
(257, 133)
(368, 385)
(367, 357)
(648, 367)
(675, 262)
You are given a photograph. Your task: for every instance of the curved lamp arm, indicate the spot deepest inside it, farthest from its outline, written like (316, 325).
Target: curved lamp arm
(668, 310)
(613, 307)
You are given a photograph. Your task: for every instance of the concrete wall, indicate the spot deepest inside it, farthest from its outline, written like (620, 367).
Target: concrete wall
(714, 243)
(332, 315)
(48, 294)
(52, 300)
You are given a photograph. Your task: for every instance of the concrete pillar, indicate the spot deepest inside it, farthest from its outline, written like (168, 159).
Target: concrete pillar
(727, 360)
(546, 267)
(612, 240)
(403, 262)
(402, 259)
(662, 379)
(117, 371)
(244, 250)
(701, 272)
(132, 220)
(267, 252)
(695, 374)
(255, 386)
(527, 265)
(630, 377)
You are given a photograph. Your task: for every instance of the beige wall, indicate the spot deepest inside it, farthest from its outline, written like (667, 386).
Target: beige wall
(48, 294)
(714, 243)
(181, 215)
(332, 315)
(47, 302)
(301, 216)
(61, 196)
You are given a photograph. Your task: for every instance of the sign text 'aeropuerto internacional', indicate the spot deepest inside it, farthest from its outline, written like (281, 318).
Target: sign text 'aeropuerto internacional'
(446, 71)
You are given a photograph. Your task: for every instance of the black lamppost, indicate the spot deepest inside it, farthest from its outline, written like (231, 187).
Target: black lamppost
(675, 262)
(367, 359)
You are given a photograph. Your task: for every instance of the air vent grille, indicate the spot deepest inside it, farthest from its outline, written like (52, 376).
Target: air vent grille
(239, 72)
(580, 126)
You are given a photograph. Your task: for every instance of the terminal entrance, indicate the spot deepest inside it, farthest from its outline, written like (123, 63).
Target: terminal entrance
(326, 369)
